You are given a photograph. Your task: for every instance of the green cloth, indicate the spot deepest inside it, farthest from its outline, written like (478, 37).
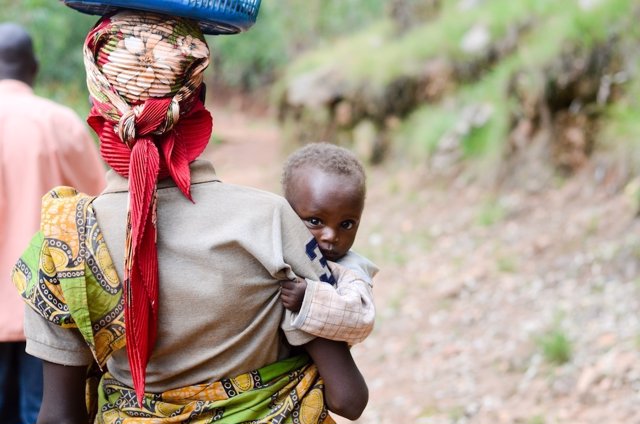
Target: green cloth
(67, 276)
(288, 391)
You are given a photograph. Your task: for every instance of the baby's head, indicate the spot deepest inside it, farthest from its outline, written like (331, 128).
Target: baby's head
(326, 186)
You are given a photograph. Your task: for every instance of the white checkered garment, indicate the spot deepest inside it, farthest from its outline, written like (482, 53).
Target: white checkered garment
(345, 312)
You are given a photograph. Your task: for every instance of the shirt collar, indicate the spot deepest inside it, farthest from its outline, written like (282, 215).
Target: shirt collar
(202, 171)
(14, 87)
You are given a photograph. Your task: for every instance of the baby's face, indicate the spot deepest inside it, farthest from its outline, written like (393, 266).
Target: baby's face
(330, 206)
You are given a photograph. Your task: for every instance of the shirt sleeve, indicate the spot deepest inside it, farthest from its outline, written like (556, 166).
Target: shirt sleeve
(360, 265)
(345, 312)
(52, 343)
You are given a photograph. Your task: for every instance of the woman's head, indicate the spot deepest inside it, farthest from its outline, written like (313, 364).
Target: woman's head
(132, 57)
(142, 55)
(145, 75)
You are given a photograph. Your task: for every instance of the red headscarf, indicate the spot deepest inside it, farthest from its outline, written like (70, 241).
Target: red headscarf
(144, 74)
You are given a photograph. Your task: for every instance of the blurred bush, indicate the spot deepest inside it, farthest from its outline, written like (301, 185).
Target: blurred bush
(284, 29)
(58, 33)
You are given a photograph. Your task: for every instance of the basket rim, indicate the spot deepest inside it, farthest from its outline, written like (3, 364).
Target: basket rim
(225, 18)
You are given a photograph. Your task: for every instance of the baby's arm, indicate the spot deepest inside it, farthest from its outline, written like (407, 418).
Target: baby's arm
(345, 390)
(345, 312)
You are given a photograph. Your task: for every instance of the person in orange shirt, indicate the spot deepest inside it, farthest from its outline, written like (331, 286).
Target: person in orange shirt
(42, 145)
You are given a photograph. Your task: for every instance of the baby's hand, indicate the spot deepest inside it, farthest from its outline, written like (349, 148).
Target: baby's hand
(292, 293)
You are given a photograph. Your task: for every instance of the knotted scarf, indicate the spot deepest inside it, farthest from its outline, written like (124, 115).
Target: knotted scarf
(144, 74)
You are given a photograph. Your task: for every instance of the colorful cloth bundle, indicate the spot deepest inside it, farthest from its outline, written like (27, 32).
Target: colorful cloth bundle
(67, 275)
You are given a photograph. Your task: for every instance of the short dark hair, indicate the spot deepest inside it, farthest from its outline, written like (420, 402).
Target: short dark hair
(17, 58)
(326, 157)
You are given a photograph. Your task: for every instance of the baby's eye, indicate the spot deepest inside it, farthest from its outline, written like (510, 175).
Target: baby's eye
(347, 225)
(314, 222)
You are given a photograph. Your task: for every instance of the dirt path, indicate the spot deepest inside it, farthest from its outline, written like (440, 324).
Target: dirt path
(249, 152)
(473, 283)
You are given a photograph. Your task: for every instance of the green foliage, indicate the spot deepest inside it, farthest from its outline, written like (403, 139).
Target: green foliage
(555, 346)
(602, 20)
(428, 411)
(457, 413)
(507, 264)
(555, 24)
(58, 33)
(356, 37)
(491, 212)
(378, 56)
(284, 29)
(425, 127)
(620, 131)
(537, 419)
(249, 60)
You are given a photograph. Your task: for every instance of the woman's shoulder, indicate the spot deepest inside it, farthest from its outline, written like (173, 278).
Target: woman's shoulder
(62, 197)
(252, 196)
(65, 192)
(62, 206)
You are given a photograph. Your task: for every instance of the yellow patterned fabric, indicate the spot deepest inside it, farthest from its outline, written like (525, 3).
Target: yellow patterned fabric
(67, 275)
(288, 391)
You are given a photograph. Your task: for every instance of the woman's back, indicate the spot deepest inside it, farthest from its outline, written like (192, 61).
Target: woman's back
(220, 268)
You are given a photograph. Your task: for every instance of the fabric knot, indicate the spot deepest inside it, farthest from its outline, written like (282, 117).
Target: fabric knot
(172, 118)
(127, 127)
(145, 120)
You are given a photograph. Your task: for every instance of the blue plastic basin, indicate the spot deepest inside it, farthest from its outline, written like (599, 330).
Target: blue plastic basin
(214, 16)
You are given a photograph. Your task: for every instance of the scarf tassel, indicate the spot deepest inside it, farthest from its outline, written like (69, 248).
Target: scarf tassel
(141, 263)
(143, 165)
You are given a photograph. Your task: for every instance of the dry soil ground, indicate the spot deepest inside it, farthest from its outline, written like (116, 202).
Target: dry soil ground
(475, 285)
